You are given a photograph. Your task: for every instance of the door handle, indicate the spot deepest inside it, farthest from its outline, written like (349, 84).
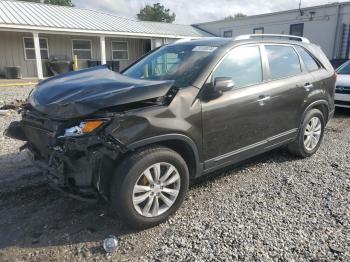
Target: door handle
(263, 99)
(307, 86)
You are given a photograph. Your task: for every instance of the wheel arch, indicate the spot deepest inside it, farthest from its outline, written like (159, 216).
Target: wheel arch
(181, 144)
(321, 105)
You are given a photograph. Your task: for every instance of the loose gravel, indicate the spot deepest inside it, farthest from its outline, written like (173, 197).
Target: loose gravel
(274, 207)
(10, 156)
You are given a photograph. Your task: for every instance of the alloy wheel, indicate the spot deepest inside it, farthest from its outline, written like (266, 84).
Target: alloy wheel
(156, 190)
(312, 133)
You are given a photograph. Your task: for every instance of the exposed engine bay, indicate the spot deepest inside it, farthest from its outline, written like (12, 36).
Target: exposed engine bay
(71, 134)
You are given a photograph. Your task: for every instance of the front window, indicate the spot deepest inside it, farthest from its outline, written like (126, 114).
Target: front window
(29, 49)
(243, 65)
(181, 63)
(120, 50)
(82, 49)
(344, 69)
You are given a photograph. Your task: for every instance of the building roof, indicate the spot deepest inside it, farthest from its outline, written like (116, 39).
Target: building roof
(44, 17)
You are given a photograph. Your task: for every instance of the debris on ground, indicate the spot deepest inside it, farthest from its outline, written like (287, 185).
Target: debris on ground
(110, 244)
(12, 105)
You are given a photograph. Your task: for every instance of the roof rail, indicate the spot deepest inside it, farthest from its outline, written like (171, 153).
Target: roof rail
(289, 37)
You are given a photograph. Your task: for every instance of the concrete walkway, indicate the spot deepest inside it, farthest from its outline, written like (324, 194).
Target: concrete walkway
(18, 82)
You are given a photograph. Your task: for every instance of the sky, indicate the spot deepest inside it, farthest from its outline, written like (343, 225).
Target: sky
(196, 11)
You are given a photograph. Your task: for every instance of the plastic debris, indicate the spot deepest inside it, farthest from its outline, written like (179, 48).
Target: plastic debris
(4, 112)
(110, 244)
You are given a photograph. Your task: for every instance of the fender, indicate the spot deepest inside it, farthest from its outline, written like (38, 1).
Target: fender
(162, 138)
(312, 105)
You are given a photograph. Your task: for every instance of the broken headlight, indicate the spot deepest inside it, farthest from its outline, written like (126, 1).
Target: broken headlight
(85, 127)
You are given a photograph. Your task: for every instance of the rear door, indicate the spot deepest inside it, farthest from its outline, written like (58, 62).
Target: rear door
(290, 84)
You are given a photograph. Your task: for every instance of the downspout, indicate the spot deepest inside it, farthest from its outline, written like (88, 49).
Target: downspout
(335, 44)
(347, 44)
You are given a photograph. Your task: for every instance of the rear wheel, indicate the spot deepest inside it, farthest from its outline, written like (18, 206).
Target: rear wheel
(310, 135)
(149, 186)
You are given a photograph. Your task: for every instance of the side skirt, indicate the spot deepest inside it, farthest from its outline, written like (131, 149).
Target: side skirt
(249, 151)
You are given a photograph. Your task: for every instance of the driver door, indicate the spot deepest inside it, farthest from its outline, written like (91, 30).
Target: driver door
(238, 120)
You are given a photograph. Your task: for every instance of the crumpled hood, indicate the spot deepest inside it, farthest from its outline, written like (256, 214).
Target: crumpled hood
(83, 92)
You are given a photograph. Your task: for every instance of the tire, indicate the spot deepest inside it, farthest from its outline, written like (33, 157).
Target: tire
(298, 147)
(132, 171)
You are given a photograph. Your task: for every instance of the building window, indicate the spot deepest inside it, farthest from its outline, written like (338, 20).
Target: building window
(228, 33)
(82, 48)
(29, 49)
(297, 29)
(120, 50)
(259, 30)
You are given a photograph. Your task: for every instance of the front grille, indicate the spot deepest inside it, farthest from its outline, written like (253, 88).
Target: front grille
(342, 89)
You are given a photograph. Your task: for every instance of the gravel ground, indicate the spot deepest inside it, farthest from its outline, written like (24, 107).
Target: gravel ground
(272, 208)
(10, 156)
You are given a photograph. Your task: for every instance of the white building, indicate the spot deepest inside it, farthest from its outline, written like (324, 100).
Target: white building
(32, 33)
(325, 25)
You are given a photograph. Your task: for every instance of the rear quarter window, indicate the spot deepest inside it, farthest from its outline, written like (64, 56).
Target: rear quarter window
(309, 61)
(283, 61)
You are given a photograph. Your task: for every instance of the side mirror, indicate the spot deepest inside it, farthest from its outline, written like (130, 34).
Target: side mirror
(223, 84)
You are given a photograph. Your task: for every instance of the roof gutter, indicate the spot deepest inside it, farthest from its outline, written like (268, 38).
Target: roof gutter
(54, 30)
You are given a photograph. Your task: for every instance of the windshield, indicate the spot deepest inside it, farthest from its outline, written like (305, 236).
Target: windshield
(344, 69)
(181, 63)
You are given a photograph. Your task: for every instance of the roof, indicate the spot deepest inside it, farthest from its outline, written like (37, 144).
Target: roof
(44, 17)
(273, 13)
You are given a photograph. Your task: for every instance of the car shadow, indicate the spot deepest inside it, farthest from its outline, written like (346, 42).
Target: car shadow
(34, 215)
(341, 112)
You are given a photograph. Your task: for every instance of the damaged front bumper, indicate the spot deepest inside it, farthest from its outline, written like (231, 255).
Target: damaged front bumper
(80, 166)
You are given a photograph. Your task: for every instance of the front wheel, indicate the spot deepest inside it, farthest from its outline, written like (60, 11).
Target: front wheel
(149, 186)
(310, 135)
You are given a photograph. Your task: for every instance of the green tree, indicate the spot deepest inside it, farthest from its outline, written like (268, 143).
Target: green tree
(237, 15)
(240, 15)
(157, 13)
(52, 2)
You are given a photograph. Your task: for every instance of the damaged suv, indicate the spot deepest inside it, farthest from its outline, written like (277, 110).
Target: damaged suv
(189, 108)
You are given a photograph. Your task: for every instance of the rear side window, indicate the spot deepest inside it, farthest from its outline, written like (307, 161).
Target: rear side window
(283, 61)
(243, 64)
(310, 63)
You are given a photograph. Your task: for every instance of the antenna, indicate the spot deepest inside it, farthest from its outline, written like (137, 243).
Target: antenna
(301, 12)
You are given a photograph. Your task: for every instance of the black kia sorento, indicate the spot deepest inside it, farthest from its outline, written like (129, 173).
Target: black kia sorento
(186, 109)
